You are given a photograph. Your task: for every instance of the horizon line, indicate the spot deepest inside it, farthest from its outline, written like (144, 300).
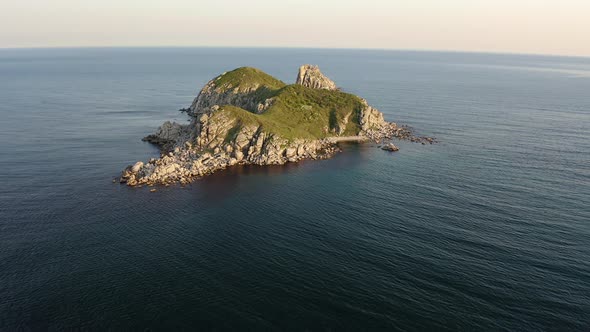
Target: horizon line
(296, 47)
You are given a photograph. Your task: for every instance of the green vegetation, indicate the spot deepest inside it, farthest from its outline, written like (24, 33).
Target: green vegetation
(314, 110)
(269, 124)
(296, 111)
(246, 78)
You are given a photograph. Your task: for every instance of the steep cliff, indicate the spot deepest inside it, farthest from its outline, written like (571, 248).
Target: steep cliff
(311, 77)
(246, 116)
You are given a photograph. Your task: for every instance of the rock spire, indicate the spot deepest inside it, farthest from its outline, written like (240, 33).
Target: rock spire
(311, 77)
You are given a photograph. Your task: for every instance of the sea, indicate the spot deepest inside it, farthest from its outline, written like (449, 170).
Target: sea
(488, 230)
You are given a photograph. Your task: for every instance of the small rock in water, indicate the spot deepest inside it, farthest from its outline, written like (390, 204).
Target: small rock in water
(152, 190)
(390, 147)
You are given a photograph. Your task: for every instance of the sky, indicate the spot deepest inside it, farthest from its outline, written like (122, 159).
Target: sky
(508, 26)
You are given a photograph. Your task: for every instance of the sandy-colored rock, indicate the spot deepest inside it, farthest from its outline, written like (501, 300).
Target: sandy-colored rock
(311, 77)
(136, 167)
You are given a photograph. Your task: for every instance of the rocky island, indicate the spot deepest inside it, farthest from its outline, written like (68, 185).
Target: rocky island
(246, 116)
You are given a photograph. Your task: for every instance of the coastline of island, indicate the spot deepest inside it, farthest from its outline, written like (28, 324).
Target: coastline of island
(246, 116)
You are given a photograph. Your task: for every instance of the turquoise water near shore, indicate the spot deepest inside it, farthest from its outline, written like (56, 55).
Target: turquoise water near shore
(487, 230)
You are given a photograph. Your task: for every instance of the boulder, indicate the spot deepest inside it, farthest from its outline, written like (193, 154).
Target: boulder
(136, 167)
(390, 147)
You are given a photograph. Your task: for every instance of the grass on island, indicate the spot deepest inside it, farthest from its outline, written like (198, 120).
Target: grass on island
(313, 110)
(296, 111)
(247, 77)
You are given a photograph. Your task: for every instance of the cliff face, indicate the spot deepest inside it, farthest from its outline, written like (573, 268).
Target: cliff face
(245, 87)
(248, 117)
(311, 77)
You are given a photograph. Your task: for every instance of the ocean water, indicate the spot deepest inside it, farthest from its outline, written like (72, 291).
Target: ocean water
(487, 230)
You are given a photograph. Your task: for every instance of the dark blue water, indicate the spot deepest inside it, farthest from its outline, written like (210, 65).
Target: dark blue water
(488, 230)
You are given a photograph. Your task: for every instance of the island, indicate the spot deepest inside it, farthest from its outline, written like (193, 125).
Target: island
(246, 116)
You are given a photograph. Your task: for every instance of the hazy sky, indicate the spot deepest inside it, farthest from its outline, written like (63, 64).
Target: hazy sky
(522, 26)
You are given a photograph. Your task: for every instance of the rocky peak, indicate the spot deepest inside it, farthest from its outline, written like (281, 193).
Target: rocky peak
(311, 77)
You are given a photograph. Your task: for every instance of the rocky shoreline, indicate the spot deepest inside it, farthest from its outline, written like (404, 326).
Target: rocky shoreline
(186, 164)
(220, 136)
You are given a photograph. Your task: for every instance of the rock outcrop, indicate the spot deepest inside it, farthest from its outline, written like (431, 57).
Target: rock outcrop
(168, 134)
(214, 95)
(311, 77)
(390, 147)
(248, 117)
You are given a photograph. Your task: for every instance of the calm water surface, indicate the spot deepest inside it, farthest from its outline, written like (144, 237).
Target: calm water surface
(488, 230)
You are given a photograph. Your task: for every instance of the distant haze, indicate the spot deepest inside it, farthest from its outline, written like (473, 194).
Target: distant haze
(516, 26)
